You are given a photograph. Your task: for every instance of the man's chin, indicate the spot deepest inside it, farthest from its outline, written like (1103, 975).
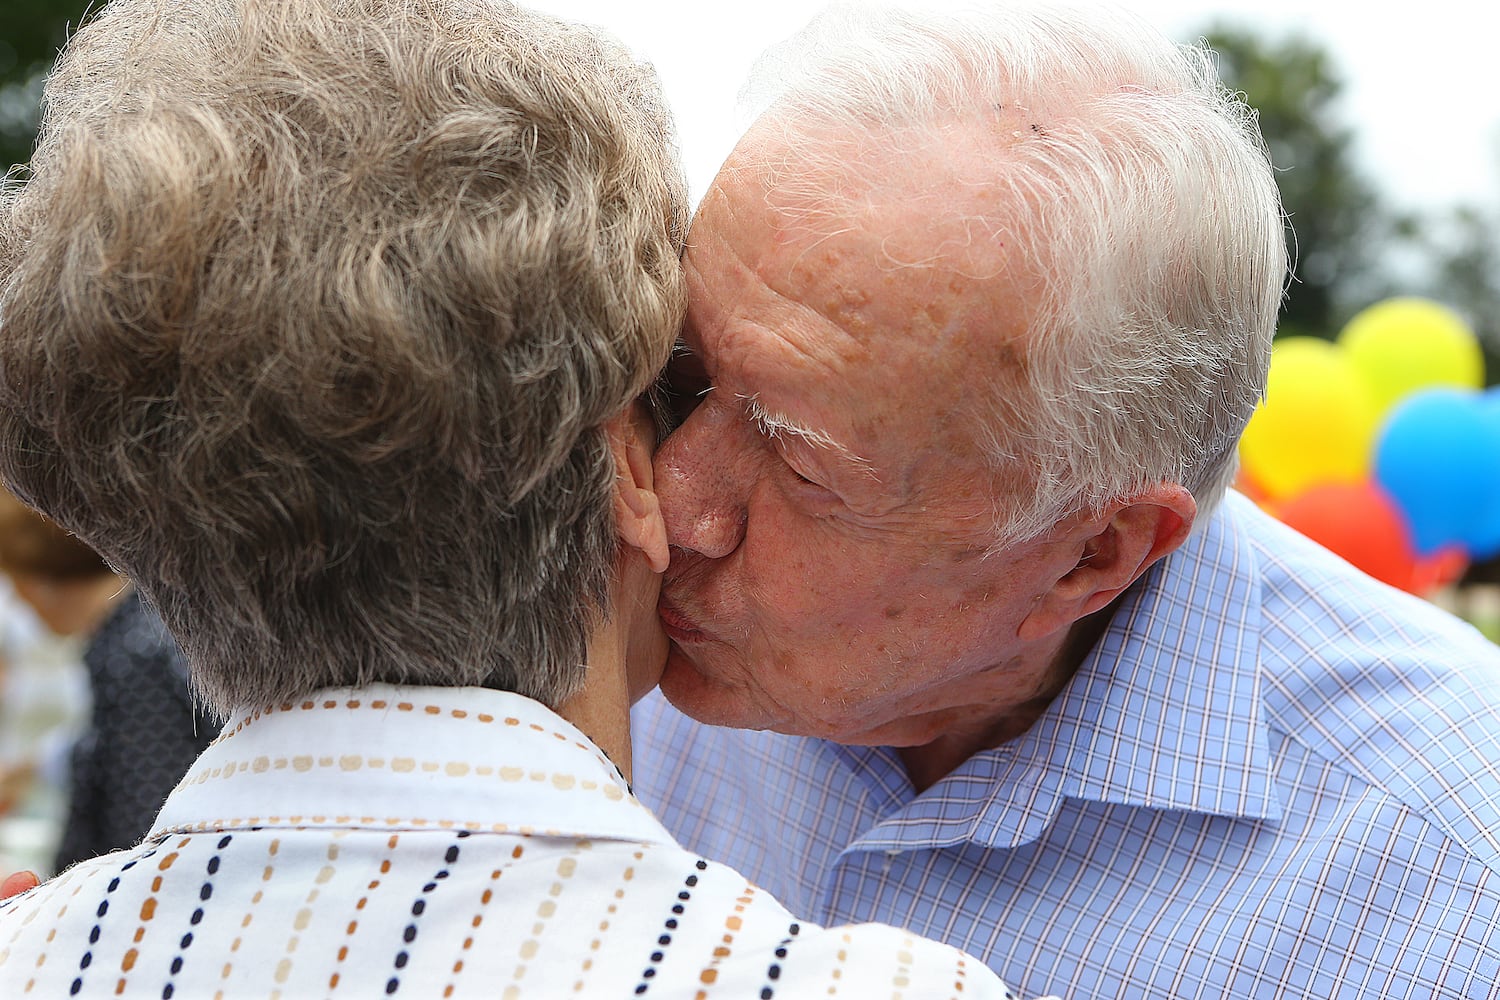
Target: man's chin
(705, 699)
(702, 697)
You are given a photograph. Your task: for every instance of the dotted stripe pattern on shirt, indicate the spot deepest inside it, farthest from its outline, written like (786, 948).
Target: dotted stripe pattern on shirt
(611, 911)
(485, 898)
(664, 940)
(353, 925)
(383, 705)
(419, 907)
(205, 893)
(101, 914)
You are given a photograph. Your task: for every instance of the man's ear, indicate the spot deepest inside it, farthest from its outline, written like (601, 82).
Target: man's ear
(1109, 553)
(638, 520)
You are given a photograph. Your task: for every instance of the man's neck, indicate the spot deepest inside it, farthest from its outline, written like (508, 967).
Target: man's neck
(929, 763)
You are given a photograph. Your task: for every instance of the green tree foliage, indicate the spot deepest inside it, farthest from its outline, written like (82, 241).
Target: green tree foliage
(1336, 224)
(31, 32)
(1351, 250)
(1463, 248)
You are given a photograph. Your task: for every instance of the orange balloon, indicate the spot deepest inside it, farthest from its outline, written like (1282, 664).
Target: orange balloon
(1361, 523)
(1246, 484)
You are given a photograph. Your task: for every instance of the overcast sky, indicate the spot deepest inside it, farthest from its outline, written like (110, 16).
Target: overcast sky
(1421, 94)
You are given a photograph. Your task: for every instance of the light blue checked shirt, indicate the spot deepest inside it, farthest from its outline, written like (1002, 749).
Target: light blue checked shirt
(1273, 777)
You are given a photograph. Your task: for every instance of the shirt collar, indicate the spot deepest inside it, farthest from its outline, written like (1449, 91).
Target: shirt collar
(403, 758)
(1165, 712)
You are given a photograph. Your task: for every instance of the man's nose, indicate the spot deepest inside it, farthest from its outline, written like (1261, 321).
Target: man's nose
(704, 472)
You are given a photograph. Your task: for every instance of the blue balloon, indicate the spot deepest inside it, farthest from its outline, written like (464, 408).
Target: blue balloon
(1438, 456)
(1486, 543)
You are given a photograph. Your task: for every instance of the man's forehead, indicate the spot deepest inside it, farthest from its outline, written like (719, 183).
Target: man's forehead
(882, 292)
(818, 172)
(758, 301)
(830, 311)
(908, 210)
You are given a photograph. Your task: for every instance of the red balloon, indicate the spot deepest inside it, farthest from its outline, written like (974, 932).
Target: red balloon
(1361, 523)
(1441, 569)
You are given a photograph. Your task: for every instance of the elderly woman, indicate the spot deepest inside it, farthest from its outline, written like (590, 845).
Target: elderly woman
(323, 322)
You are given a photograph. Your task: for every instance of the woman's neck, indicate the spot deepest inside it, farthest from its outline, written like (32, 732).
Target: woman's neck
(625, 653)
(601, 708)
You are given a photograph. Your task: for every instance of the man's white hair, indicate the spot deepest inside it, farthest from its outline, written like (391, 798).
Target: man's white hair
(1137, 189)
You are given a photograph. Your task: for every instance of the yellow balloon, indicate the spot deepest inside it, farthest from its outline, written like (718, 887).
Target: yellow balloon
(1404, 344)
(1316, 425)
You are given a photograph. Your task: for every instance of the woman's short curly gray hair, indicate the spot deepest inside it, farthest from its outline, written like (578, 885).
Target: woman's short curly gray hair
(311, 316)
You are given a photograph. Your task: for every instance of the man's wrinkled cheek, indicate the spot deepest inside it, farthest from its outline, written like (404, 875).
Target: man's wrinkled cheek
(792, 608)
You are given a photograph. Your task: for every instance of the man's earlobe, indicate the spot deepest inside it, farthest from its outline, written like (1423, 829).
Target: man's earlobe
(1111, 555)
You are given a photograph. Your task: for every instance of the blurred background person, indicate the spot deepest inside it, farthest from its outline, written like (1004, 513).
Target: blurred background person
(44, 704)
(143, 727)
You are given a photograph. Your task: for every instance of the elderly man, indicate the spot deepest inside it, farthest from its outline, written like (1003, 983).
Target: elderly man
(325, 322)
(978, 309)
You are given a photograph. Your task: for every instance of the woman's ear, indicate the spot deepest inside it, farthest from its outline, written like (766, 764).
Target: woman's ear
(632, 439)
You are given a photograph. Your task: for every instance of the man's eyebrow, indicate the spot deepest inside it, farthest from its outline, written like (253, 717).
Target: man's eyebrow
(774, 425)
